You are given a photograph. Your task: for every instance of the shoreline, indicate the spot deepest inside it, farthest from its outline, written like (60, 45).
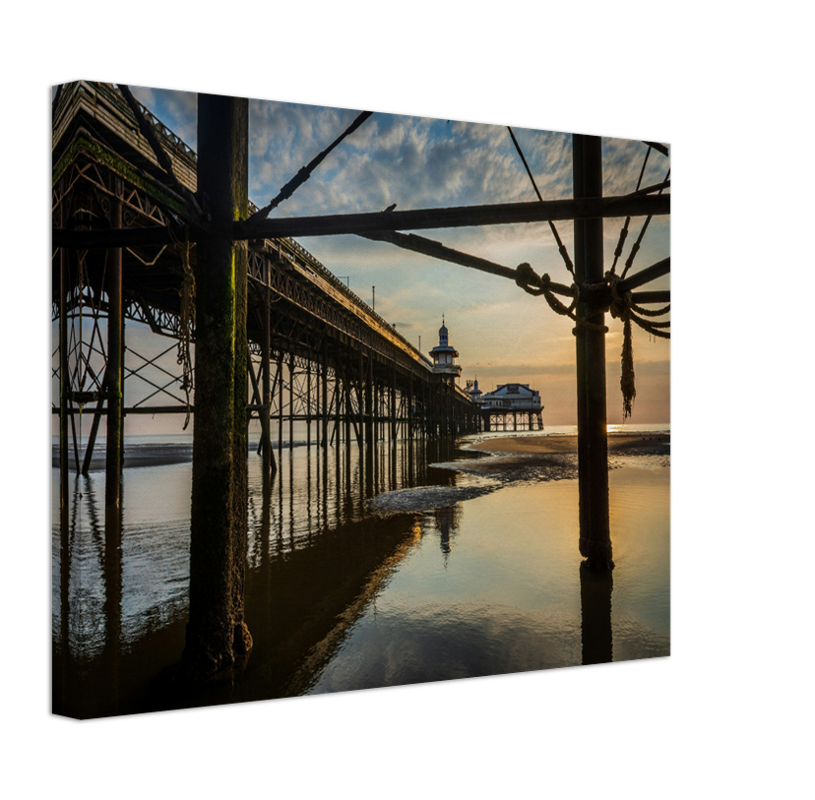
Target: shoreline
(640, 444)
(654, 444)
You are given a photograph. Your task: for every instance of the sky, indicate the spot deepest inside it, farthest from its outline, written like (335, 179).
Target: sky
(502, 334)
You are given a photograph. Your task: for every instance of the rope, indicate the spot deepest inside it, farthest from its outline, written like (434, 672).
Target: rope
(528, 280)
(624, 231)
(622, 307)
(636, 247)
(304, 173)
(187, 295)
(560, 246)
(619, 305)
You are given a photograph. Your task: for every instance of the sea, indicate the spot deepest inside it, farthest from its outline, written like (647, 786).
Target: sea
(423, 561)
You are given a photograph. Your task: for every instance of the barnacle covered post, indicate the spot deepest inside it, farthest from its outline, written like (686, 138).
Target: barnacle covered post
(216, 631)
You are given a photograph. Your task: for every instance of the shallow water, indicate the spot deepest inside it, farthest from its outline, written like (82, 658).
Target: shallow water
(362, 573)
(492, 585)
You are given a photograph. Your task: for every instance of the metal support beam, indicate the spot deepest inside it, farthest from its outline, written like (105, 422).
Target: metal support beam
(592, 442)
(419, 219)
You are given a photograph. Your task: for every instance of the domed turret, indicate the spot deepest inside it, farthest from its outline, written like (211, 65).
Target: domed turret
(444, 355)
(443, 333)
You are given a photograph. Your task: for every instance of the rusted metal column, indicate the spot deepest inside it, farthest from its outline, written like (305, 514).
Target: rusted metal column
(360, 397)
(269, 465)
(369, 405)
(424, 409)
(325, 392)
(308, 400)
(280, 403)
(114, 432)
(410, 408)
(216, 631)
(592, 442)
(291, 401)
(393, 403)
(64, 379)
(349, 410)
(242, 639)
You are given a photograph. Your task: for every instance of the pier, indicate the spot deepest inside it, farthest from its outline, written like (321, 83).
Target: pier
(510, 407)
(147, 231)
(317, 353)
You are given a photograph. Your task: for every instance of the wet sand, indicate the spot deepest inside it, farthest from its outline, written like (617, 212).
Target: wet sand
(139, 455)
(655, 444)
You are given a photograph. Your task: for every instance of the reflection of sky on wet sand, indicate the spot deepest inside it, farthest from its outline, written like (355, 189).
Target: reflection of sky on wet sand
(504, 594)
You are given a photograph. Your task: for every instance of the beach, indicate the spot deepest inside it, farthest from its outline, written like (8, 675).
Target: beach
(651, 444)
(430, 561)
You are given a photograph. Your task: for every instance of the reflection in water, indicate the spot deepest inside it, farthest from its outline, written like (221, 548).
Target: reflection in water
(342, 593)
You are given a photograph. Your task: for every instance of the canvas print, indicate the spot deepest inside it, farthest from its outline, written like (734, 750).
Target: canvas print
(345, 399)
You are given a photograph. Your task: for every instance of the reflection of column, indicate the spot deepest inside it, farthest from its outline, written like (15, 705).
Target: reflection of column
(595, 599)
(265, 532)
(325, 486)
(291, 497)
(393, 463)
(447, 523)
(113, 599)
(60, 668)
(308, 489)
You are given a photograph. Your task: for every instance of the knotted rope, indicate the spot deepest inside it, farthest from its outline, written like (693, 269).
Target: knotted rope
(620, 305)
(528, 280)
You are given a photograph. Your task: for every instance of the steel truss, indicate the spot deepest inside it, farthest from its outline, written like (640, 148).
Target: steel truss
(330, 360)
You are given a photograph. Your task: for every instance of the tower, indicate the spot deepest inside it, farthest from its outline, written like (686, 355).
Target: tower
(444, 356)
(474, 392)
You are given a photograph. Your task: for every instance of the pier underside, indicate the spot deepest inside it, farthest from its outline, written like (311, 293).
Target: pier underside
(316, 353)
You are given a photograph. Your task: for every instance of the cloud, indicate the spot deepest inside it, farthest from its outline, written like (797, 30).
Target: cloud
(177, 110)
(417, 162)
